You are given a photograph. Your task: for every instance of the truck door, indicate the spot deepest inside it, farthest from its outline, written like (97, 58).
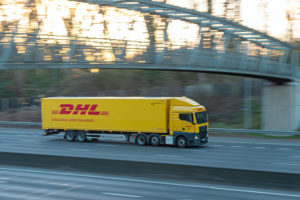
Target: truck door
(175, 122)
(187, 122)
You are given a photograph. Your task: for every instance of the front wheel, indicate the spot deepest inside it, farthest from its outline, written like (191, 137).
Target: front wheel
(181, 142)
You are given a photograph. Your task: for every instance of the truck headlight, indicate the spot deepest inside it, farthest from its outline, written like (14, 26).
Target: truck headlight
(196, 137)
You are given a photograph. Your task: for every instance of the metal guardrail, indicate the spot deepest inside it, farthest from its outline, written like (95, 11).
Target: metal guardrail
(20, 123)
(264, 132)
(220, 130)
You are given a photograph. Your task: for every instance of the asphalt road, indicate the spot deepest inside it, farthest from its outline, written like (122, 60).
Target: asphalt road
(35, 184)
(229, 152)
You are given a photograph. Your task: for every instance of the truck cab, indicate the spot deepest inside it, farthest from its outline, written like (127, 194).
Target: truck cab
(188, 122)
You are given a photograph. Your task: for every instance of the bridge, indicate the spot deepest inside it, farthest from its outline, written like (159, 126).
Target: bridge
(222, 46)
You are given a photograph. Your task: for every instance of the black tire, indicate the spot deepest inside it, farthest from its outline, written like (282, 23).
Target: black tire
(81, 136)
(70, 135)
(154, 140)
(181, 142)
(141, 140)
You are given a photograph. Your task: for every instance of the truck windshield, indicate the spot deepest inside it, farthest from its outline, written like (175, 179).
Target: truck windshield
(201, 117)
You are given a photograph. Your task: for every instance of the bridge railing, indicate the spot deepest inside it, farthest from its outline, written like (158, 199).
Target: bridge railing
(20, 50)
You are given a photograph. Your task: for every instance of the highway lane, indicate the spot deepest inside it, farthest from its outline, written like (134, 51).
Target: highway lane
(229, 152)
(18, 183)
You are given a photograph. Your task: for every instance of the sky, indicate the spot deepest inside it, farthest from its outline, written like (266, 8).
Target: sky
(254, 13)
(257, 13)
(276, 17)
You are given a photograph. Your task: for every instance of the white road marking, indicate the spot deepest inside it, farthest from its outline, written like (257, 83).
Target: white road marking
(169, 156)
(202, 186)
(108, 145)
(259, 147)
(4, 178)
(24, 140)
(79, 150)
(3, 182)
(290, 164)
(199, 150)
(216, 145)
(294, 156)
(122, 195)
(53, 183)
(285, 149)
(236, 146)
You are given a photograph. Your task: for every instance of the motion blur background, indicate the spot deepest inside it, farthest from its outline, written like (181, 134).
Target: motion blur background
(226, 97)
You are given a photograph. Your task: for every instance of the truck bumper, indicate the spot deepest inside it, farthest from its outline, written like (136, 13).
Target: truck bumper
(203, 136)
(193, 139)
(197, 142)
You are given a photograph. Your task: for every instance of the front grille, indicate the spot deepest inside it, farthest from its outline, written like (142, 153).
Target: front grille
(203, 132)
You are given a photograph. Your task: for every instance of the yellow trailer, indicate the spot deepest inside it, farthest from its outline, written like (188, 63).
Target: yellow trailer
(142, 120)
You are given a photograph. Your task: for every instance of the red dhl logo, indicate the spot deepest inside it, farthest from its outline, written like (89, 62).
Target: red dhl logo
(89, 109)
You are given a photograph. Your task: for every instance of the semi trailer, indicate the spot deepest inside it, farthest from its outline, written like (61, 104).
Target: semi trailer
(141, 120)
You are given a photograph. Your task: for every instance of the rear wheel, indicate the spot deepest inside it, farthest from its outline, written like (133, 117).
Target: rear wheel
(181, 142)
(70, 136)
(154, 140)
(141, 140)
(81, 136)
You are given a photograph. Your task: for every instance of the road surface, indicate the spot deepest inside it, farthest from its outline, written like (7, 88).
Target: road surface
(229, 152)
(17, 183)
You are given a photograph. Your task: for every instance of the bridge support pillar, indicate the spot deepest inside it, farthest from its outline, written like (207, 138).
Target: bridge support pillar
(281, 106)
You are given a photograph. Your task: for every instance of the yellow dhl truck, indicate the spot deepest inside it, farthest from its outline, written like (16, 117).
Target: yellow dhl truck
(141, 120)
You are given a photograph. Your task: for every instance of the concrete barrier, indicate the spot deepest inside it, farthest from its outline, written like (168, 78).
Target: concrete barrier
(154, 170)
